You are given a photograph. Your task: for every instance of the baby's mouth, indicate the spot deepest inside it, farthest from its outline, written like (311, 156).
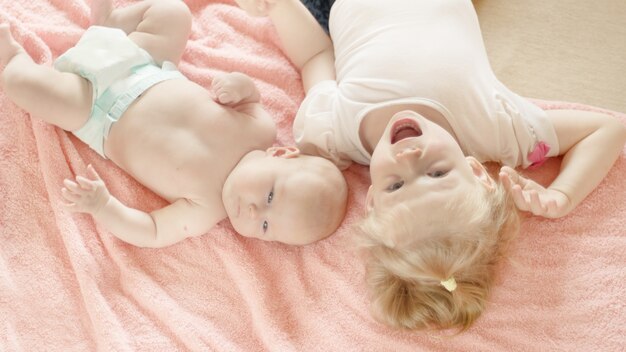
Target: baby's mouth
(404, 128)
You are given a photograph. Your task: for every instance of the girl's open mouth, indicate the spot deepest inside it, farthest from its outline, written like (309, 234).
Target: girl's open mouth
(404, 128)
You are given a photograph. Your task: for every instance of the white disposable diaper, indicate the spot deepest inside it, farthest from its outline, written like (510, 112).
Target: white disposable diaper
(103, 55)
(119, 71)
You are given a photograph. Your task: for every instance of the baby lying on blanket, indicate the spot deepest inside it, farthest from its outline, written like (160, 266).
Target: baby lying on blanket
(118, 90)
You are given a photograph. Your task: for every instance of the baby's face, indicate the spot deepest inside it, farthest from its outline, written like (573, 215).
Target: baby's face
(273, 199)
(417, 162)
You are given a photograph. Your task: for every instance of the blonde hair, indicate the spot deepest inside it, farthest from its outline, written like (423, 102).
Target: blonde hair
(405, 267)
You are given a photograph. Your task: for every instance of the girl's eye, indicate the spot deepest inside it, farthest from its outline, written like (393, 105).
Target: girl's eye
(270, 197)
(395, 186)
(265, 226)
(438, 174)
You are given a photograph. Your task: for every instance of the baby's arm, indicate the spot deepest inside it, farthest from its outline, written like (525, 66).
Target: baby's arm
(590, 143)
(159, 228)
(303, 39)
(238, 91)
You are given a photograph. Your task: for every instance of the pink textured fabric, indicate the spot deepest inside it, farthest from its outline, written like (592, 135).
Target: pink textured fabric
(66, 284)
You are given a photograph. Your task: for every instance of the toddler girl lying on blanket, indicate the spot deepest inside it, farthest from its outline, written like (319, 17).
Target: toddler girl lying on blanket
(119, 91)
(407, 88)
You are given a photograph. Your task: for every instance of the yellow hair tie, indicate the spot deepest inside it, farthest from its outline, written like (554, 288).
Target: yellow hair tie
(449, 284)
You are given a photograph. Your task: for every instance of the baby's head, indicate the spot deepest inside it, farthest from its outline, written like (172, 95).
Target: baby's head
(282, 195)
(436, 225)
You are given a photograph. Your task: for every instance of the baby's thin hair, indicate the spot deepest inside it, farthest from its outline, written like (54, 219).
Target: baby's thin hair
(406, 265)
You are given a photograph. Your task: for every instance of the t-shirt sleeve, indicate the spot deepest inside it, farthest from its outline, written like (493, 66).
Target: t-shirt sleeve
(534, 133)
(314, 128)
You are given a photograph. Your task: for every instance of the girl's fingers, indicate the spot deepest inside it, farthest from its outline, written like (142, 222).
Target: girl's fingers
(535, 203)
(518, 198)
(510, 177)
(510, 172)
(504, 178)
(551, 206)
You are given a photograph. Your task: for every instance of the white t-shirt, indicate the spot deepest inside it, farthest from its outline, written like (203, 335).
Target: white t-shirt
(417, 52)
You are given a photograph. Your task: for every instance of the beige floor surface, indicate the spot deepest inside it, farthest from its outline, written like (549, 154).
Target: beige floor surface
(569, 50)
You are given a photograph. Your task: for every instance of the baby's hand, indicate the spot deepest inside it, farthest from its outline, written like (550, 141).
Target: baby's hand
(256, 8)
(86, 195)
(232, 88)
(532, 197)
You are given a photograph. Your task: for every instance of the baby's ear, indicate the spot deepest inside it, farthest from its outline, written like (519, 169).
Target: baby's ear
(480, 172)
(284, 152)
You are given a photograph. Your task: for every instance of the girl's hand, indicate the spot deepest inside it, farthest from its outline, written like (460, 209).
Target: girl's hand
(86, 195)
(532, 197)
(256, 8)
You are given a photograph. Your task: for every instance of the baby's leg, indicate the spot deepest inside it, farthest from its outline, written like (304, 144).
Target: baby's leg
(161, 27)
(62, 99)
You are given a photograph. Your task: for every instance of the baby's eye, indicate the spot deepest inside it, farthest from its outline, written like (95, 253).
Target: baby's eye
(270, 196)
(395, 186)
(265, 226)
(438, 174)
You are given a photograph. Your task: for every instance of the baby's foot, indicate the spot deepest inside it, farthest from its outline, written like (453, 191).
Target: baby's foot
(100, 11)
(8, 46)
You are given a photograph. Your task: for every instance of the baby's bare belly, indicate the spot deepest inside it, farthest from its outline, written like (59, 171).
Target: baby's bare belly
(176, 141)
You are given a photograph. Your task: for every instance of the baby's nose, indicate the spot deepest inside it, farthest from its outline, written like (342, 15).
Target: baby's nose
(253, 212)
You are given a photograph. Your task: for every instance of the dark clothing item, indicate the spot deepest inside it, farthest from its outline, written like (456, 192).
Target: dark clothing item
(320, 10)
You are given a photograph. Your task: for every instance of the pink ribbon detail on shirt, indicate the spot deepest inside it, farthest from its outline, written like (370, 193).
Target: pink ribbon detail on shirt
(538, 156)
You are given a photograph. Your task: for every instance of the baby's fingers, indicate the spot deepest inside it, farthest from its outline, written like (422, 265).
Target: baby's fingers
(71, 206)
(71, 186)
(85, 183)
(216, 84)
(92, 172)
(70, 196)
(225, 98)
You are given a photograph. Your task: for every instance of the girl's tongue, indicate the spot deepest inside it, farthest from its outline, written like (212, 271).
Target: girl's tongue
(405, 128)
(406, 133)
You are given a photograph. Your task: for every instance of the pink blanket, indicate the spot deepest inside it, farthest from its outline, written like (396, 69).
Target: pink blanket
(67, 284)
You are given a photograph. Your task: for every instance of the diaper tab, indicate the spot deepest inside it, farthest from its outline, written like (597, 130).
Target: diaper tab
(169, 66)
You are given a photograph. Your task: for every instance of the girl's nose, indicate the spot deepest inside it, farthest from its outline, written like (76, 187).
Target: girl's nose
(409, 154)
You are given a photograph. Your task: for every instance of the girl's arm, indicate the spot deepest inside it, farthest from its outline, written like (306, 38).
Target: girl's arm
(590, 142)
(303, 39)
